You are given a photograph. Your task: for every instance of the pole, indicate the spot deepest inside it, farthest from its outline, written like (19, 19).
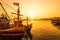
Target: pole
(18, 16)
(27, 20)
(19, 37)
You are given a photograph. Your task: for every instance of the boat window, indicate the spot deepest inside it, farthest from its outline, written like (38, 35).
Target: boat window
(4, 20)
(0, 20)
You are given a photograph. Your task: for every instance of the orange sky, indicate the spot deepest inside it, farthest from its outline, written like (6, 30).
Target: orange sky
(40, 8)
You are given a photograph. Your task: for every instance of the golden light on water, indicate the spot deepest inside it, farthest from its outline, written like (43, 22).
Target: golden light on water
(32, 21)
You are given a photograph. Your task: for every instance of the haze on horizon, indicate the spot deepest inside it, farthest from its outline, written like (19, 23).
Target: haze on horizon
(39, 8)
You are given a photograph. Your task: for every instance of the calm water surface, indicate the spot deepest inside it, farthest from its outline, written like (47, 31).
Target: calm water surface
(44, 30)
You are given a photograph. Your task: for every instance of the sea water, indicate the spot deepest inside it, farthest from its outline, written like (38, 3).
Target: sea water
(44, 30)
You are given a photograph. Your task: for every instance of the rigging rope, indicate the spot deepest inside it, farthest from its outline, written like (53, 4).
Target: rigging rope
(8, 5)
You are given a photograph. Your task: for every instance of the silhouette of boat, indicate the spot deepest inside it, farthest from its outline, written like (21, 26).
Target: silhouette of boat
(15, 33)
(56, 21)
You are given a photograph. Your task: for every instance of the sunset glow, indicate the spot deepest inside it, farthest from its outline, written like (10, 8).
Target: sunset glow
(35, 8)
(36, 19)
(31, 15)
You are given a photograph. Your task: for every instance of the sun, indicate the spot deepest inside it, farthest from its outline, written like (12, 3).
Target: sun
(31, 15)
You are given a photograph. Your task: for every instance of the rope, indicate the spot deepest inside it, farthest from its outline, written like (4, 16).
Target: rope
(8, 5)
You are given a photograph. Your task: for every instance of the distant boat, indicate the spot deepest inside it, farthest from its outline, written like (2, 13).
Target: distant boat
(55, 21)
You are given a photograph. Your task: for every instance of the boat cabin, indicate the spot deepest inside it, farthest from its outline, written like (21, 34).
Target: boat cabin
(4, 23)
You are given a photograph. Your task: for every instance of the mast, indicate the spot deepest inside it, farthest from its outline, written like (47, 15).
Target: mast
(18, 15)
(27, 20)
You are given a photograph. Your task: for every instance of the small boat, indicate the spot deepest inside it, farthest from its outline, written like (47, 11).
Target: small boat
(56, 21)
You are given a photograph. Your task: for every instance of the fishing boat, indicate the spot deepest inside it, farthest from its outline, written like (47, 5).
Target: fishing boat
(15, 33)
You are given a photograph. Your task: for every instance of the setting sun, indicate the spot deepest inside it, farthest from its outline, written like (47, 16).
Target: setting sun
(39, 8)
(32, 15)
